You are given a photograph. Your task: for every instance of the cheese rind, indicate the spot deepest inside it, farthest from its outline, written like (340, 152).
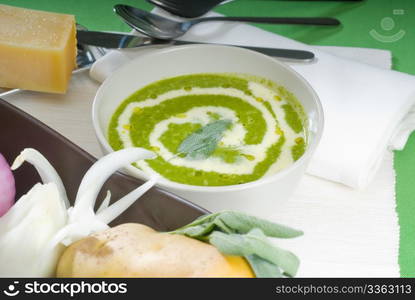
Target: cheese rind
(37, 49)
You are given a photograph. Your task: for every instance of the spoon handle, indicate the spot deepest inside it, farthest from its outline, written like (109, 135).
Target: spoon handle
(285, 54)
(272, 20)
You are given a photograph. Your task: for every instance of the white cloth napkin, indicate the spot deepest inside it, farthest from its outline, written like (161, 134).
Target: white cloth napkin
(367, 109)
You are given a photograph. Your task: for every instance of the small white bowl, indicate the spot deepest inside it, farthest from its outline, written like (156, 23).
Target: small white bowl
(260, 197)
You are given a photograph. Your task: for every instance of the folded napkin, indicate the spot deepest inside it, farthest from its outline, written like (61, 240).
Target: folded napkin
(367, 108)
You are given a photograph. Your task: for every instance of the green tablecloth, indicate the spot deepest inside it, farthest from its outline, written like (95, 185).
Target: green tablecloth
(358, 19)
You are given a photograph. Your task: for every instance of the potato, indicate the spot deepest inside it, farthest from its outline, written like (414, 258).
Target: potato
(135, 250)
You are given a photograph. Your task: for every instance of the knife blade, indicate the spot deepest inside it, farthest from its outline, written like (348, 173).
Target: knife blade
(120, 41)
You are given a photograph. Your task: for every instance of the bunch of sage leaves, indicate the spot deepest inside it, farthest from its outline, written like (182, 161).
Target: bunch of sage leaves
(236, 233)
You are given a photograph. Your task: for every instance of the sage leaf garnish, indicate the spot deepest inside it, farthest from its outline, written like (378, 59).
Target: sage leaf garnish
(203, 142)
(236, 233)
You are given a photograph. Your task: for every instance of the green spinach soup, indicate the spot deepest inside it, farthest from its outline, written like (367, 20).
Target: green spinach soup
(212, 129)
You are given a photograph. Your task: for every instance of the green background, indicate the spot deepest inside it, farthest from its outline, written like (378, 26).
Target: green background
(357, 18)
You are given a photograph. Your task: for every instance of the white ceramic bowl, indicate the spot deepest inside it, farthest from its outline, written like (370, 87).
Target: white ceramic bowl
(260, 197)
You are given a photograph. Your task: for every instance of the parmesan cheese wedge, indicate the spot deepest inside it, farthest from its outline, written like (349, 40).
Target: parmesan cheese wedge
(37, 49)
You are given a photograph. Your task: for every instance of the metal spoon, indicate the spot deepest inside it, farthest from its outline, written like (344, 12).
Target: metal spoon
(195, 8)
(163, 28)
(186, 8)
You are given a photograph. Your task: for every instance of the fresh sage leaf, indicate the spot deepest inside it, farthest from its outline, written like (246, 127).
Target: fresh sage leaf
(255, 243)
(222, 226)
(203, 142)
(238, 222)
(262, 247)
(198, 232)
(203, 219)
(203, 225)
(231, 244)
(263, 268)
(243, 223)
(236, 233)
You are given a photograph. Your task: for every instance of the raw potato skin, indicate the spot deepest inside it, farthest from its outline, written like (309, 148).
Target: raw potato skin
(136, 250)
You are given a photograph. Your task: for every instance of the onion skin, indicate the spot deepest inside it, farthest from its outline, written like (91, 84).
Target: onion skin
(7, 186)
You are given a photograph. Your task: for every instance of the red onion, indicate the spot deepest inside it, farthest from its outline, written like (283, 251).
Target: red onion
(7, 186)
